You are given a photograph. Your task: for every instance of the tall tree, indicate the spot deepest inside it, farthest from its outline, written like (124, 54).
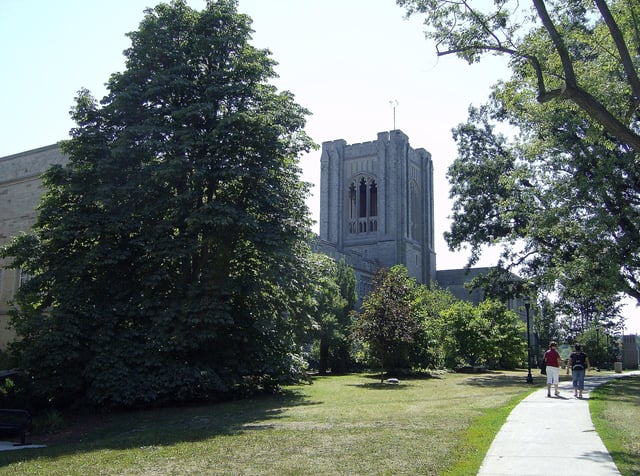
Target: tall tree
(163, 257)
(389, 318)
(567, 185)
(340, 358)
(487, 334)
(546, 326)
(428, 349)
(335, 297)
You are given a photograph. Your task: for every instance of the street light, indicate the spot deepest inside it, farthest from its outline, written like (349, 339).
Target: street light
(527, 305)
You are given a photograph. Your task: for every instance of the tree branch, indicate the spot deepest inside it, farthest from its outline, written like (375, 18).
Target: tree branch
(543, 94)
(621, 45)
(571, 90)
(478, 47)
(597, 111)
(582, 98)
(631, 289)
(561, 48)
(480, 20)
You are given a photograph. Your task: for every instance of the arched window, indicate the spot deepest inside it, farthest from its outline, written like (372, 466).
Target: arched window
(363, 205)
(373, 199)
(352, 208)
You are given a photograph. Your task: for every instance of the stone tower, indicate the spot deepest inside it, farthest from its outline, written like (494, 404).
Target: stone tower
(376, 202)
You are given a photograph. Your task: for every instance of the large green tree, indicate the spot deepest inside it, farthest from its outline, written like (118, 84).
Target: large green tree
(562, 191)
(486, 334)
(546, 326)
(335, 298)
(428, 349)
(389, 319)
(340, 358)
(169, 259)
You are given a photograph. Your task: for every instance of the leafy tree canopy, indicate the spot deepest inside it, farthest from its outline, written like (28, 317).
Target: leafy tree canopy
(553, 40)
(561, 190)
(428, 349)
(487, 334)
(389, 317)
(335, 298)
(169, 261)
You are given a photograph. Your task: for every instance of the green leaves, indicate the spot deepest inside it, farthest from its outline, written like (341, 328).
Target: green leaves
(334, 295)
(560, 192)
(389, 318)
(405, 325)
(488, 334)
(167, 250)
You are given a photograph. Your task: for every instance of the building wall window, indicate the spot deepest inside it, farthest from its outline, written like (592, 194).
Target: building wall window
(23, 277)
(364, 287)
(363, 205)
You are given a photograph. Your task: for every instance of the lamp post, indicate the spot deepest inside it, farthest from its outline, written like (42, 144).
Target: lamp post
(527, 305)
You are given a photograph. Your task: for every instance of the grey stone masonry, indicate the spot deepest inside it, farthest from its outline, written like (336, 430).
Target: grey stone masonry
(20, 192)
(376, 200)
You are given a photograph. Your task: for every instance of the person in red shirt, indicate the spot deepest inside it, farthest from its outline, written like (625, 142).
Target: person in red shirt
(552, 359)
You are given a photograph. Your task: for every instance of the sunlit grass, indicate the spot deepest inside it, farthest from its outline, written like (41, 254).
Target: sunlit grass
(339, 425)
(615, 410)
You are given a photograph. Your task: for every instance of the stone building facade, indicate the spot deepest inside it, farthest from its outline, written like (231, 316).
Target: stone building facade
(376, 206)
(20, 192)
(454, 280)
(376, 210)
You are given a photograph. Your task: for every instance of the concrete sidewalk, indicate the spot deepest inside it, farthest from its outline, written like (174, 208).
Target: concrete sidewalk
(544, 436)
(11, 446)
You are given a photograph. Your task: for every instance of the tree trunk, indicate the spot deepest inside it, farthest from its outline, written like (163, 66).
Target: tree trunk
(323, 365)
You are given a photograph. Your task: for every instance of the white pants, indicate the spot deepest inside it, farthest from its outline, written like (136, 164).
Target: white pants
(553, 375)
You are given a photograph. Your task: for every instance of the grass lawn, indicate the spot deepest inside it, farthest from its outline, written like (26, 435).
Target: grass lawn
(615, 410)
(339, 425)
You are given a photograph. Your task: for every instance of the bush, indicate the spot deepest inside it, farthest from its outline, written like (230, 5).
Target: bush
(16, 390)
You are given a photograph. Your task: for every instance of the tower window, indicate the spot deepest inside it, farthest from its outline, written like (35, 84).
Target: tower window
(362, 189)
(363, 206)
(373, 199)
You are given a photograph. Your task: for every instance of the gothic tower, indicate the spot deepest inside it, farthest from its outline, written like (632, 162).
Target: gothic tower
(376, 202)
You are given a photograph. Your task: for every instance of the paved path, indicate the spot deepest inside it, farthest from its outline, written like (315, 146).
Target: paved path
(10, 446)
(547, 436)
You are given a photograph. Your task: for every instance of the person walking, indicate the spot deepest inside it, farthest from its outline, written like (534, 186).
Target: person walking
(579, 364)
(552, 360)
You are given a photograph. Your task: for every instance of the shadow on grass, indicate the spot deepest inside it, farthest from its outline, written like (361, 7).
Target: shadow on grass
(626, 460)
(623, 389)
(402, 381)
(383, 386)
(401, 377)
(498, 379)
(160, 427)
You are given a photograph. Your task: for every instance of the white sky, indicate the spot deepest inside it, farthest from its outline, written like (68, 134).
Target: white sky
(344, 60)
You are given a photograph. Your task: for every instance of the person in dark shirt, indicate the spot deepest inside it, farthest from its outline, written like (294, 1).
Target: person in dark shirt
(579, 364)
(553, 360)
